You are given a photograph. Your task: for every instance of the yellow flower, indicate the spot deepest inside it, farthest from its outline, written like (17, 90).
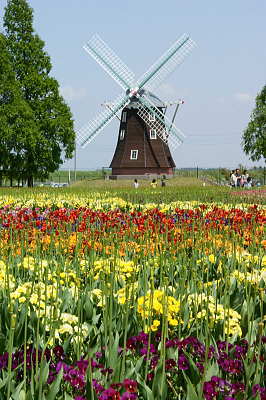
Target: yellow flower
(173, 321)
(65, 328)
(22, 299)
(212, 258)
(34, 298)
(155, 325)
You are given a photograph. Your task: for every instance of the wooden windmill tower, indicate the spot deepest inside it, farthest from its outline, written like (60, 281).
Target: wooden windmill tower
(145, 133)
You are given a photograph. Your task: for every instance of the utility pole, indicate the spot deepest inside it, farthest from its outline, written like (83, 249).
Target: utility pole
(75, 162)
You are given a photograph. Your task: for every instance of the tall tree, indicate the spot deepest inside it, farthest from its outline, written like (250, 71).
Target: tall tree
(54, 137)
(16, 119)
(254, 137)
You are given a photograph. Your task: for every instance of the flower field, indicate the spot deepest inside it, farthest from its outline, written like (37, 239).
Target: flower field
(105, 295)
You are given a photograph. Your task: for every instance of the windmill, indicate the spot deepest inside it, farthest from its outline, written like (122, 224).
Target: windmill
(145, 132)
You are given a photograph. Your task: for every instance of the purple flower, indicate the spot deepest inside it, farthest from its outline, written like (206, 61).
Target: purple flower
(58, 351)
(130, 385)
(144, 350)
(237, 387)
(129, 396)
(169, 344)
(170, 364)
(150, 376)
(143, 338)
(183, 362)
(96, 386)
(258, 389)
(209, 390)
(240, 352)
(109, 394)
(132, 343)
(82, 365)
(154, 362)
(200, 367)
(98, 355)
(220, 383)
(61, 365)
(107, 371)
(3, 360)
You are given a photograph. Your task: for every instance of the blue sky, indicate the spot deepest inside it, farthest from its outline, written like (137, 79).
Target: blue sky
(218, 81)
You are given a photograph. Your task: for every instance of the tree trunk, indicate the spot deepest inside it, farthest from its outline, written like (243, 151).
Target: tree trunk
(30, 181)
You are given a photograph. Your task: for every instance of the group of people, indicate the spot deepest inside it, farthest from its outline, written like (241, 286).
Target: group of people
(154, 183)
(238, 179)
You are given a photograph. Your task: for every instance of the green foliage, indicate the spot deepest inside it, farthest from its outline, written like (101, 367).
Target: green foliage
(53, 137)
(16, 118)
(254, 137)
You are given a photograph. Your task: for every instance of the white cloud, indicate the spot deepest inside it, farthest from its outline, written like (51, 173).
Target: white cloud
(243, 97)
(71, 94)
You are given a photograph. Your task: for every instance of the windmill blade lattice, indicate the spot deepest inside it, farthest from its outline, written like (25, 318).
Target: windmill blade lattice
(89, 132)
(161, 124)
(167, 63)
(110, 62)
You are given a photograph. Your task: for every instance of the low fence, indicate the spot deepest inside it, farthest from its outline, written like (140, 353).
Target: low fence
(217, 176)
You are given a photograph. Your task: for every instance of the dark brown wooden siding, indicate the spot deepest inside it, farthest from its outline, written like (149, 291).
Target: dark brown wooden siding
(153, 154)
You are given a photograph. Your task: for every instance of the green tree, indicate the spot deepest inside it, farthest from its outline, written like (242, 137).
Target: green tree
(54, 137)
(254, 137)
(16, 119)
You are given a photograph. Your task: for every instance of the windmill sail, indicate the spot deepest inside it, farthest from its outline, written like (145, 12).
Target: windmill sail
(167, 63)
(90, 131)
(110, 62)
(160, 124)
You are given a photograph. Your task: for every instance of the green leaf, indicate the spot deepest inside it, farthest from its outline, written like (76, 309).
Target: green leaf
(3, 382)
(44, 372)
(213, 370)
(55, 386)
(68, 397)
(135, 367)
(191, 393)
(147, 392)
(159, 387)
(113, 351)
(19, 393)
(88, 307)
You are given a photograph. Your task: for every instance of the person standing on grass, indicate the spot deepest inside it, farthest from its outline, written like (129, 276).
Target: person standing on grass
(233, 179)
(249, 181)
(136, 184)
(244, 178)
(238, 177)
(154, 183)
(163, 184)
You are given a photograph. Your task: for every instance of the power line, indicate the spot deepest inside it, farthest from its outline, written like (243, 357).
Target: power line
(215, 134)
(210, 144)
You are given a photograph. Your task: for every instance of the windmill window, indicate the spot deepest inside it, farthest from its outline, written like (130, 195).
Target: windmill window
(134, 154)
(122, 134)
(153, 134)
(124, 116)
(151, 117)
